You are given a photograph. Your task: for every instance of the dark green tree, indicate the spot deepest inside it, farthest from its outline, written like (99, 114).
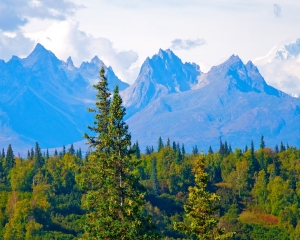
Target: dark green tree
(174, 146)
(72, 150)
(63, 152)
(183, 150)
(262, 142)
(79, 153)
(210, 151)
(168, 142)
(31, 153)
(47, 154)
(10, 160)
(282, 147)
(101, 115)
(195, 150)
(114, 197)
(137, 150)
(38, 158)
(160, 144)
(148, 150)
(276, 149)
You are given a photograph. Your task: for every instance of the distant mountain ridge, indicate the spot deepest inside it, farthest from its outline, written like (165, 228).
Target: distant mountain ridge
(44, 99)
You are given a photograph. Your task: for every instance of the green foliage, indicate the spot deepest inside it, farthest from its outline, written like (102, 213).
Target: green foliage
(199, 210)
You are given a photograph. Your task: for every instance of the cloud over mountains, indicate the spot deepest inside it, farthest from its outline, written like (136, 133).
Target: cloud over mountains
(187, 44)
(14, 14)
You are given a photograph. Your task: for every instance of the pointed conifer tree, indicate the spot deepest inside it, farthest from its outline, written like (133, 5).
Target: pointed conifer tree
(47, 154)
(38, 158)
(101, 115)
(3, 153)
(114, 197)
(262, 142)
(200, 209)
(168, 142)
(137, 150)
(72, 150)
(10, 159)
(79, 155)
(148, 150)
(174, 146)
(31, 153)
(63, 152)
(160, 144)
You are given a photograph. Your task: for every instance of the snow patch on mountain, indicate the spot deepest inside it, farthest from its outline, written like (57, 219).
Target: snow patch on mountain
(281, 67)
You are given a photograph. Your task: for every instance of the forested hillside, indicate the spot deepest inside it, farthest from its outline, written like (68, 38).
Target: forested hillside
(259, 190)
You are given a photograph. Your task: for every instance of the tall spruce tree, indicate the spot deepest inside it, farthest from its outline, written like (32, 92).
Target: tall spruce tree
(137, 150)
(47, 154)
(10, 159)
(262, 142)
(168, 142)
(101, 115)
(160, 144)
(200, 210)
(38, 158)
(72, 150)
(114, 197)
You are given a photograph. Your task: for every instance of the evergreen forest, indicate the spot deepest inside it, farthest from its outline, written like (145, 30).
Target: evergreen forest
(119, 191)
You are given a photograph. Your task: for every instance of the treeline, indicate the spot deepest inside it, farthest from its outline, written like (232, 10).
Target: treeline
(259, 191)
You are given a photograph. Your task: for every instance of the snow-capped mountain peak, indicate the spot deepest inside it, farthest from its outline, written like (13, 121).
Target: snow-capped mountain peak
(288, 51)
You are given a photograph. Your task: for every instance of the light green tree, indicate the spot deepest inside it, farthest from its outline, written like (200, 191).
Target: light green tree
(200, 221)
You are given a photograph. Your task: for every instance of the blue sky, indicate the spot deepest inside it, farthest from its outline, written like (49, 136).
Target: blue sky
(123, 33)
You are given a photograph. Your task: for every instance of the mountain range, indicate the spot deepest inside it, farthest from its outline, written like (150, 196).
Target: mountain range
(44, 99)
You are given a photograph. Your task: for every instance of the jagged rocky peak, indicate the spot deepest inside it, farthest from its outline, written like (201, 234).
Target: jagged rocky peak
(93, 66)
(70, 64)
(40, 55)
(162, 74)
(166, 54)
(98, 62)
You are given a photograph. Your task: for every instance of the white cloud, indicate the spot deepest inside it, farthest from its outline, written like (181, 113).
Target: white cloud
(187, 44)
(14, 44)
(65, 39)
(16, 13)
